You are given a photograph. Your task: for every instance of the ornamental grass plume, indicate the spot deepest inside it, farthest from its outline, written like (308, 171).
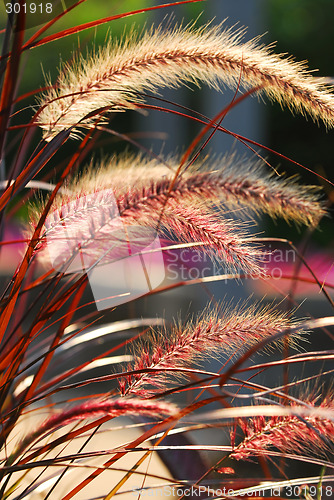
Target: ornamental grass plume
(134, 192)
(226, 332)
(94, 409)
(234, 182)
(117, 75)
(63, 337)
(97, 224)
(288, 434)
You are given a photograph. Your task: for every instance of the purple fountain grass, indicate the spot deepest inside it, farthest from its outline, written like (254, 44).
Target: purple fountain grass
(221, 238)
(226, 332)
(94, 409)
(102, 229)
(103, 238)
(288, 434)
(95, 226)
(115, 76)
(92, 212)
(234, 182)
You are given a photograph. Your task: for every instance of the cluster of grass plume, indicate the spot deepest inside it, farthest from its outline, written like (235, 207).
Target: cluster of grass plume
(52, 338)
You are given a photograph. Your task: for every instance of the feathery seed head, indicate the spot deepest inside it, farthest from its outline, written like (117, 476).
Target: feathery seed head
(226, 332)
(122, 261)
(131, 200)
(95, 409)
(90, 227)
(236, 183)
(287, 433)
(116, 76)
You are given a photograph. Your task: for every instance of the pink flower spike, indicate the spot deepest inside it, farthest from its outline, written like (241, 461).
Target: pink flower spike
(95, 409)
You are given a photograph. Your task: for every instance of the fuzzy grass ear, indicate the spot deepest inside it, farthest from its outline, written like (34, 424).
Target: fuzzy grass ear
(288, 434)
(92, 410)
(224, 331)
(236, 183)
(61, 352)
(132, 191)
(96, 225)
(116, 76)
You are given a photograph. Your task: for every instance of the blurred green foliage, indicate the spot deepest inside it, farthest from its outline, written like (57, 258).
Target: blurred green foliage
(47, 58)
(306, 28)
(303, 28)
